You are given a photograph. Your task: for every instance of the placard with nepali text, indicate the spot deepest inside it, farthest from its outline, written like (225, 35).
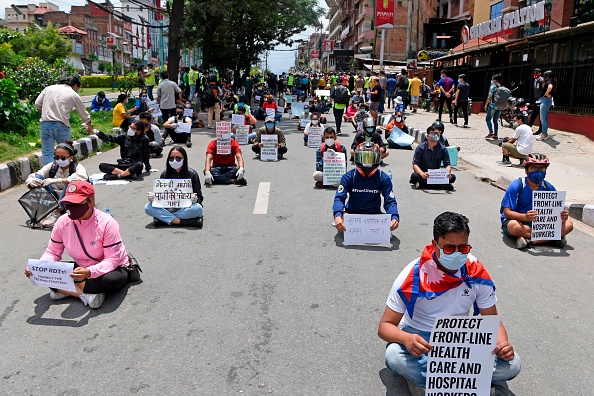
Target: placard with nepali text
(548, 223)
(183, 128)
(367, 229)
(172, 193)
(51, 274)
(461, 360)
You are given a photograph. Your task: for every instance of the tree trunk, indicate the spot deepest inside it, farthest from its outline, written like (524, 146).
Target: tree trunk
(176, 17)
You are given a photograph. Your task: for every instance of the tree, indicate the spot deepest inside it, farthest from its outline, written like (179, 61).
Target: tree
(175, 9)
(586, 11)
(47, 44)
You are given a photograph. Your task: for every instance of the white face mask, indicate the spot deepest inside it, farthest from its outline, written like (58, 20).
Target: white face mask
(176, 164)
(130, 132)
(398, 119)
(329, 142)
(62, 163)
(188, 106)
(515, 124)
(315, 122)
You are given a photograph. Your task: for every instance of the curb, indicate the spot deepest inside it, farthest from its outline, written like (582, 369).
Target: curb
(16, 172)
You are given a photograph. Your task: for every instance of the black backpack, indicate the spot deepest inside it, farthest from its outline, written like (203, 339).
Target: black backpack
(54, 169)
(208, 96)
(341, 95)
(402, 83)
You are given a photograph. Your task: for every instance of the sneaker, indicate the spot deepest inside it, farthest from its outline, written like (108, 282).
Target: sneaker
(414, 111)
(339, 132)
(50, 220)
(495, 137)
(465, 126)
(158, 223)
(241, 182)
(489, 136)
(304, 143)
(188, 143)
(542, 137)
(504, 163)
(417, 185)
(521, 243)
(57, 295)
(319, 184)
(92, 300)
(448, 187)
(195, 222)
(561, 244)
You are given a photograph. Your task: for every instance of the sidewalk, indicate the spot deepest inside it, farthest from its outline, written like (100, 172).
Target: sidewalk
(571, 156)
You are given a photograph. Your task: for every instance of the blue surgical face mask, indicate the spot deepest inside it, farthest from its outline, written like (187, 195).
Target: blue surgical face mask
(361, 111)
(240, 104)
(452, 262)
(459, 81)
(537, 176)
(269, 125)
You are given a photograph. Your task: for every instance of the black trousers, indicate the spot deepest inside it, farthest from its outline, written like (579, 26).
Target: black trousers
(416, 178)
(447, 101)
(125, 124)
(281, 150)
(133, 168)
(535, 113)
(338, 117)
(464, 106)
(109, 283)
(156, 150)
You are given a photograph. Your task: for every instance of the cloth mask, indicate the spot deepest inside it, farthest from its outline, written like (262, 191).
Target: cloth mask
(453, 261)
(130, 132)
(434, 137)
(314, 122)
(188, 106)
(536, 176)
(269, 125)
(176, 164)
(76, 211)
(398, 119)
(62, 163)
(459, 81)
(329, 142)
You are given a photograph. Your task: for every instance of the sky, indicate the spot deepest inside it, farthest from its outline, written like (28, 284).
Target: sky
(279, 60)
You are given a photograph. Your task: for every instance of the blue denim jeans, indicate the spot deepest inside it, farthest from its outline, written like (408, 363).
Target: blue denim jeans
(493, 114)
(223, 174)
(192, 92)
(195, 210)
(52, 132)
(545, 105)
(414, 369)
(149, 91)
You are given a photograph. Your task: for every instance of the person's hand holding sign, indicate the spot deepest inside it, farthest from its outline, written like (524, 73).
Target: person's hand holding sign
(416, 345)
(80, 274)
(394, 224)
(531, 215)
(504, 350)
(339, 223)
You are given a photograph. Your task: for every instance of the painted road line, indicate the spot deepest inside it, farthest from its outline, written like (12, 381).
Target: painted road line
(261, 206)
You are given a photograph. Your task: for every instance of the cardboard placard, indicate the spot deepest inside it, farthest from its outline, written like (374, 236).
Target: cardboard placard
(548, 224)
(461, 359)
(156, 110)
(237, 119)
(367, 229)
(438, 176)
(172, 193)
(52, 274)
(269, 149)
(334, 166)
(188, 112)
(223, 138)
(297, 109)
(314, 137)
(270, 112)
(289, 98)
(183, 128)
(280, 110)
(322, 92)
(257, 97)
(241, 134)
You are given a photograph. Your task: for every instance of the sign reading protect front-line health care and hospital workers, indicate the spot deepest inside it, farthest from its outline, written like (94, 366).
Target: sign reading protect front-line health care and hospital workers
(461, 358)
(172, 193)
(549, 205)
(51, 274)
(367, 229)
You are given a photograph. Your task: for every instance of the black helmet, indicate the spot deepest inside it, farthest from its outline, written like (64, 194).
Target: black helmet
(367, 157)
(520, 102)
(369, 125)
(212, 77)
(548, 74)
(437, 125)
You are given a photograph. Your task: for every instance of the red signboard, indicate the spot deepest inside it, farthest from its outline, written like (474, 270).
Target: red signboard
(328, 46)
(384, 14)
(315, 54)
(110, 40)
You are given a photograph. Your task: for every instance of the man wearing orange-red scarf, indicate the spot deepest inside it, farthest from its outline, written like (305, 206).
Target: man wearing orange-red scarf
(445, 281)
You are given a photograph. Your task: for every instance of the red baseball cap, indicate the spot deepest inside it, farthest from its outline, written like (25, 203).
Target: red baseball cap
(78, 191)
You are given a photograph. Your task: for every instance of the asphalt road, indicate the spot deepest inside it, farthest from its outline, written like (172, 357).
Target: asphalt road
(273, 303)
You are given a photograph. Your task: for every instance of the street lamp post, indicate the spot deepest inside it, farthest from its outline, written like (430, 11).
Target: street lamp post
(124, 44)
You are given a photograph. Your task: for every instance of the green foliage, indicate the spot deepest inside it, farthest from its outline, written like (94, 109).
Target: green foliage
(8, 59)
(6, 35)
(48, 44)
(14, 114)
(127, 84)
(586, 11)
(98, 81)
(33, 75)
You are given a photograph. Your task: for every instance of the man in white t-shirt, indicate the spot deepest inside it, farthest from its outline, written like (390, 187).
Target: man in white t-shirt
(520, 145)
(445, 281)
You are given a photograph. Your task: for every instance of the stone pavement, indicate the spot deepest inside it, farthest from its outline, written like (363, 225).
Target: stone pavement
(571, 156)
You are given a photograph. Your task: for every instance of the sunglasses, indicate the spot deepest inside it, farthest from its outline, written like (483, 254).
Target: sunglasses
(180, 114)
(450, 248)
(178, 159)
(63, 158)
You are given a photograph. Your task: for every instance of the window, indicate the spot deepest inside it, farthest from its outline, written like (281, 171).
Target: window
(496, 10)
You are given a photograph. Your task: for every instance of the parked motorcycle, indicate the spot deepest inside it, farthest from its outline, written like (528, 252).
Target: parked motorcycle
(514, 105)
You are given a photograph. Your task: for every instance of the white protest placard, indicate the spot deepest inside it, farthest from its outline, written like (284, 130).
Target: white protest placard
(156, 110)
(367, 229)
(549, 205)
(257, 97)
(188, 112)
(223, 138)
(461, 360)
(303, 122)
(438, 176)
(270, 112)
(151, 104)
(237, 119)
(322, 92)
(281, 110)
(334, 166)
(288, 98)
(172, 193)
(294, 98)
(297, 109)
(269, 149)
(314, 137)
(241, 134)
(51, 274)
(183, 128)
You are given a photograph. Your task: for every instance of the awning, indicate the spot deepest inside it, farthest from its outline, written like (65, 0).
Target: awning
(392, 69)
(76, 62)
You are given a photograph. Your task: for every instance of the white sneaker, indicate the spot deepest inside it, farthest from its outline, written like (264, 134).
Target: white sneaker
(50, 220)
(57, 295)
(542, 137)
(521, 243)
(93, 300)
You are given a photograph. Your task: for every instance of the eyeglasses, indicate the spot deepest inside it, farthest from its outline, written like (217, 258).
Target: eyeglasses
(450, 248)
(533, 168)
(177, 159)
(63, 158)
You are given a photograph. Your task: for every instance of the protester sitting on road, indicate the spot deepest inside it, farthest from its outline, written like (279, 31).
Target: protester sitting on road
(365, 185)
(134, 152)
(397, 120)
(269, 104)
(173, 122)
(351, 110)
(369, 134)
(153, 133)
(358, 118)
(314, 122)
(100, 103)
(242, 104)
(441, 127)
(55, 176)
(250, 120)
(399, 106)
(445, 281)
(520, 145)
(430, 155)
(329, 144)
(517, 212)
(224, 168)
(100, 267)
(270, 128)
(177, 168)
(121, 117)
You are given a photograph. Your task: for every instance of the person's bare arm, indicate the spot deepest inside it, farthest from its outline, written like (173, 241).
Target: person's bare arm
(389, 331)
(503, 349)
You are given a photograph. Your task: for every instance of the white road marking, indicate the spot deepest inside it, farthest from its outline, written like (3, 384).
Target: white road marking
(261, 206)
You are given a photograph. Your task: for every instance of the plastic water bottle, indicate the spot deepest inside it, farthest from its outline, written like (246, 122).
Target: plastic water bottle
(390, 173)
(108, 212)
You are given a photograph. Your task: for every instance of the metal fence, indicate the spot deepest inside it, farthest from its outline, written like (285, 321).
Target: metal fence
(575, 90)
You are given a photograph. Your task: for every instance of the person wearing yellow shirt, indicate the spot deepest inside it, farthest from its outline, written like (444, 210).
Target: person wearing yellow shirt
(121, 117)
(414, 87)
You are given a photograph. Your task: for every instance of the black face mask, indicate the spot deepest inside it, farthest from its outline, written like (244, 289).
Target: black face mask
(76, 211)
(180, 115)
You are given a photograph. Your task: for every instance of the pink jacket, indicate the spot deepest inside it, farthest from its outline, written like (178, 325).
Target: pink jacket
(101, 236)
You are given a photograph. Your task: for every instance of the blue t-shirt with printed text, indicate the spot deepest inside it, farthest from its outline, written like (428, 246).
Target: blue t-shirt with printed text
(523, 203)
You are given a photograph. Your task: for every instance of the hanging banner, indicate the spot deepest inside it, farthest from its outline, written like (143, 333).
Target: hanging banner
(315, 54)
(328, 46)
(384, 14)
